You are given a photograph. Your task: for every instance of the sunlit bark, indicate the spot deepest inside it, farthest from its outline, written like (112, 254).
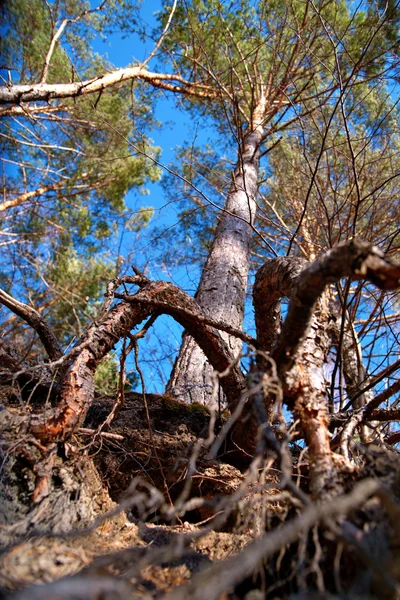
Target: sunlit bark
(222, 288)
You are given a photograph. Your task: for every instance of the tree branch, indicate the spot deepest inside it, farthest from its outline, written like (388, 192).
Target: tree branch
(36, 321)
(77, 389)
(300, 350)
(15, 94)
(40, 191)
(274, 281)
(356, 259)
(224, 575)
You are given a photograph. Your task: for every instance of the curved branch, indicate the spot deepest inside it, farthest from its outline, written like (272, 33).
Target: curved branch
(303, 382)
(184, 312)
(274, 281)
(300, 350)
(36, 321)
(356, 259)
(77, 389)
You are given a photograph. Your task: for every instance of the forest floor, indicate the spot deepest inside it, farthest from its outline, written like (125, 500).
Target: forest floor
(176, 511)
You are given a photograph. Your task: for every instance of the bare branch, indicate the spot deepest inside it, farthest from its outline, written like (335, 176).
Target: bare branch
(77, 388)
(53, 42)
(36, 321)
(222, 326)
(274, 281)
(356, 259)
(15, 94)
(162, 36)
(224, 575)
(40, 191)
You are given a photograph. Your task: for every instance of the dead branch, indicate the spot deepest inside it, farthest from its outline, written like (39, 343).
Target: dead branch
(36, 321)
(18, 373)
(377, 414)
(214, 582)
(373, 382)
(371, 407)
(216, 324)
(348, 347)
(268, 442)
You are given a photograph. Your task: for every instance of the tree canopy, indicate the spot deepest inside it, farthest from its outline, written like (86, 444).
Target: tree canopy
(273, 222)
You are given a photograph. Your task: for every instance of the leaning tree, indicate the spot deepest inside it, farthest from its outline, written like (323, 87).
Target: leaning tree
(305, 160)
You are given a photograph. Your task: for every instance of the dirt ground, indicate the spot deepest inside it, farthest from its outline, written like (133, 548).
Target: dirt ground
(173, 511)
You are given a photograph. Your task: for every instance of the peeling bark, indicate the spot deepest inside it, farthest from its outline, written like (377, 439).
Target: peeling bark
(222, 288)
(356, 259)
(303, 383)
(77, 388)
(305, 386)
(31, 439)
(301, 348)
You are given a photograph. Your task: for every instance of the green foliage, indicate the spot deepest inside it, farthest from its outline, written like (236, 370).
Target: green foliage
(76, 283)
(233, 46)
(320, 64)
(106, 379)
(351, 183)
(315, 62)
(82, 156)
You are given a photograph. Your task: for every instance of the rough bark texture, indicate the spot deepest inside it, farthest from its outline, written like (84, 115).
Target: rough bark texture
(222, 288)
(77, 385)
(304, 383)
(30, 440)
(274, 281)
(55, 484)
(72, 497)
(356, 259)
(301, 348)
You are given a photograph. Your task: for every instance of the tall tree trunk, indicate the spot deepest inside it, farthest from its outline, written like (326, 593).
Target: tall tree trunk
(222, 288)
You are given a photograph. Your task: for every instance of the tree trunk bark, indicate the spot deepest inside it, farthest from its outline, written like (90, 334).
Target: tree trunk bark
(301, 348)
(222, 288)
(303, 381)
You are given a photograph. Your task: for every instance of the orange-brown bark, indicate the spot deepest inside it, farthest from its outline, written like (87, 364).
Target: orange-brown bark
(77, 384)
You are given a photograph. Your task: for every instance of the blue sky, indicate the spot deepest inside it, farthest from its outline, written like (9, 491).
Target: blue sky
(177, 128)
